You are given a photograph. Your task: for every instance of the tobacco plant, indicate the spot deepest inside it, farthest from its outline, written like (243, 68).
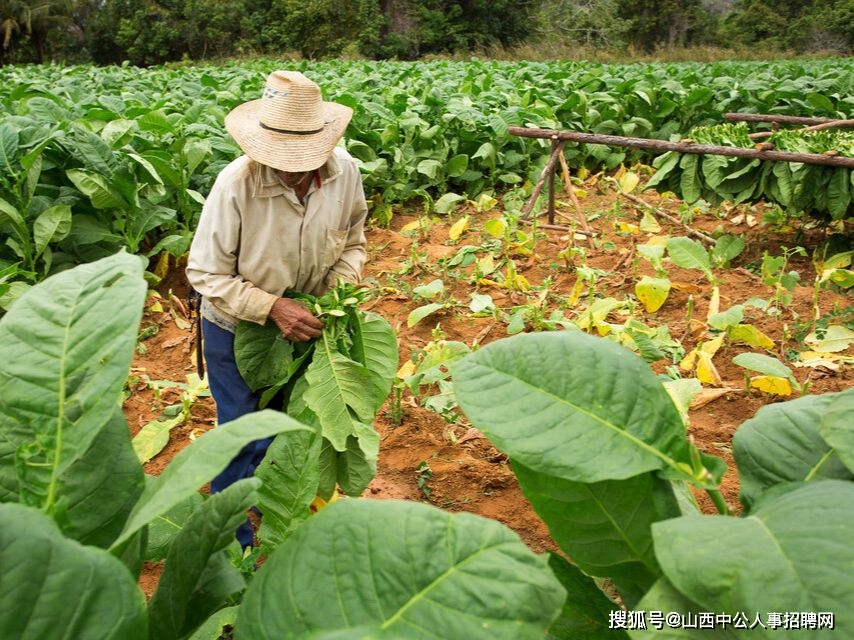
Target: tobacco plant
(601, 451)
(78, 516)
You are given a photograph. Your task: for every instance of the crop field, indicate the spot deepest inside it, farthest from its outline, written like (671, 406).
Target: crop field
(631, 407)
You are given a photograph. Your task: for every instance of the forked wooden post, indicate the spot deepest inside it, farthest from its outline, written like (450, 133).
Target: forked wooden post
(548, 172)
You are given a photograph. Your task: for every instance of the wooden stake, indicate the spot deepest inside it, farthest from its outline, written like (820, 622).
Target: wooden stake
(662, 214)
(557, 150)
(833, 124)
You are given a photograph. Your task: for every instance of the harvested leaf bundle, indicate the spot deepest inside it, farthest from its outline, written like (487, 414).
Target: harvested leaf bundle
(336, 383)
(819, 190)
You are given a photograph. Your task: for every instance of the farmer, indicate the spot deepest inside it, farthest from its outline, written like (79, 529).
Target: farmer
(288, 215)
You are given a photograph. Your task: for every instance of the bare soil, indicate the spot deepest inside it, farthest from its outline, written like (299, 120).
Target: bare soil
(442, 460)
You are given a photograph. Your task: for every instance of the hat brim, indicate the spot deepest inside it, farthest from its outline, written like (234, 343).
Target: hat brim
(287, 151)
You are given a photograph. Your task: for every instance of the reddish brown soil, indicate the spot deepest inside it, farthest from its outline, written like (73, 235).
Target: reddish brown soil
(465, 472)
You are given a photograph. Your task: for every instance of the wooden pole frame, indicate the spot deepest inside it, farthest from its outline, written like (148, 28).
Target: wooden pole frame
(560, 138)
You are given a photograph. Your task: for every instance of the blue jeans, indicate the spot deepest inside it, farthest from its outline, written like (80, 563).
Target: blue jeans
(233, 399)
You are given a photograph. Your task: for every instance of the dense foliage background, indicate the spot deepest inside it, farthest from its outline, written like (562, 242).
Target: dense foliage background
(152, 32)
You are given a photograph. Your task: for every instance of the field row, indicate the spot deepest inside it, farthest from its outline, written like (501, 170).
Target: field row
(97, 159)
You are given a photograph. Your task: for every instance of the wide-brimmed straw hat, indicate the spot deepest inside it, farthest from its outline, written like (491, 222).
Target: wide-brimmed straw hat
(290, 127)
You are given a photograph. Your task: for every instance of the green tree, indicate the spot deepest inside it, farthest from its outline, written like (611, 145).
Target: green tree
(318, 28)
(399, 28)
(158, 31)
(25, 22)
(590, 23)
(799, 26)
(665, 23)
(470, 25)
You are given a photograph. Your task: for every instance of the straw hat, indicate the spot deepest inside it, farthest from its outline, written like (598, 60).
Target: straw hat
(290, 127)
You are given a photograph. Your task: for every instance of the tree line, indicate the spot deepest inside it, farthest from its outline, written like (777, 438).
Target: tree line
(149, 32)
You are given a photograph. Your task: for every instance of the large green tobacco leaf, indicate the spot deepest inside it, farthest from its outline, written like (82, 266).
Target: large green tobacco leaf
(290, 474)
(52, 225)
(375, 346)
(97, 189)
(263, 355)
(793, 553)
(663, 597)
(572, 406)
(8, 146)
(163, 530)
(689, 254)
(343, 393)
(783, 443)
(351, 469)
(214, 627)
(836, 428)
(605, 527)
(404, 567)
(53, 587)
(199, 463)
(207, 532)
(66, 347)
(586, 612)
(357, 464)
(100, 488)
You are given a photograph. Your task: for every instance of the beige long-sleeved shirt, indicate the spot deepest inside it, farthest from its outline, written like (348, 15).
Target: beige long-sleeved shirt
(256, 240)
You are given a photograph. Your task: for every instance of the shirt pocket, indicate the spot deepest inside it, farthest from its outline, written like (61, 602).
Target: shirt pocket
(336, 240)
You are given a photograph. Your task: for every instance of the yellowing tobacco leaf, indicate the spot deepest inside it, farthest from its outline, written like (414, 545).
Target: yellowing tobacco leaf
(711, 347)
(155, 305)
(807, 356)
(714, 302)
(162, 267)
(517, 281)
(652, 292)
(836, 338)
(836, 261)
(485, 202)
(595, 314)
(573, 298)
(486, 265)
(319, 503)
(406, 370)
(707, 373)
(458, 228)
(411, 226)
(749, 334)
(520, 248)
(700, 357)
(843, 278)
(689, 361)
(626, 227)
(629, 181)
(772, 384)
(495, 227)
(649, 224)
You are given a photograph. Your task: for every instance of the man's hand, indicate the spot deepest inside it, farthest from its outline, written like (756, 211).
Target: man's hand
(296, 323)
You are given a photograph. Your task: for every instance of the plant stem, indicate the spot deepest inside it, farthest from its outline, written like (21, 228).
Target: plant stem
(719, 502)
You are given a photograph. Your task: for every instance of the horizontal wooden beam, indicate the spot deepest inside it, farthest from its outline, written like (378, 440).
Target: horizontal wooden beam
(774, 117)
(685, 146)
